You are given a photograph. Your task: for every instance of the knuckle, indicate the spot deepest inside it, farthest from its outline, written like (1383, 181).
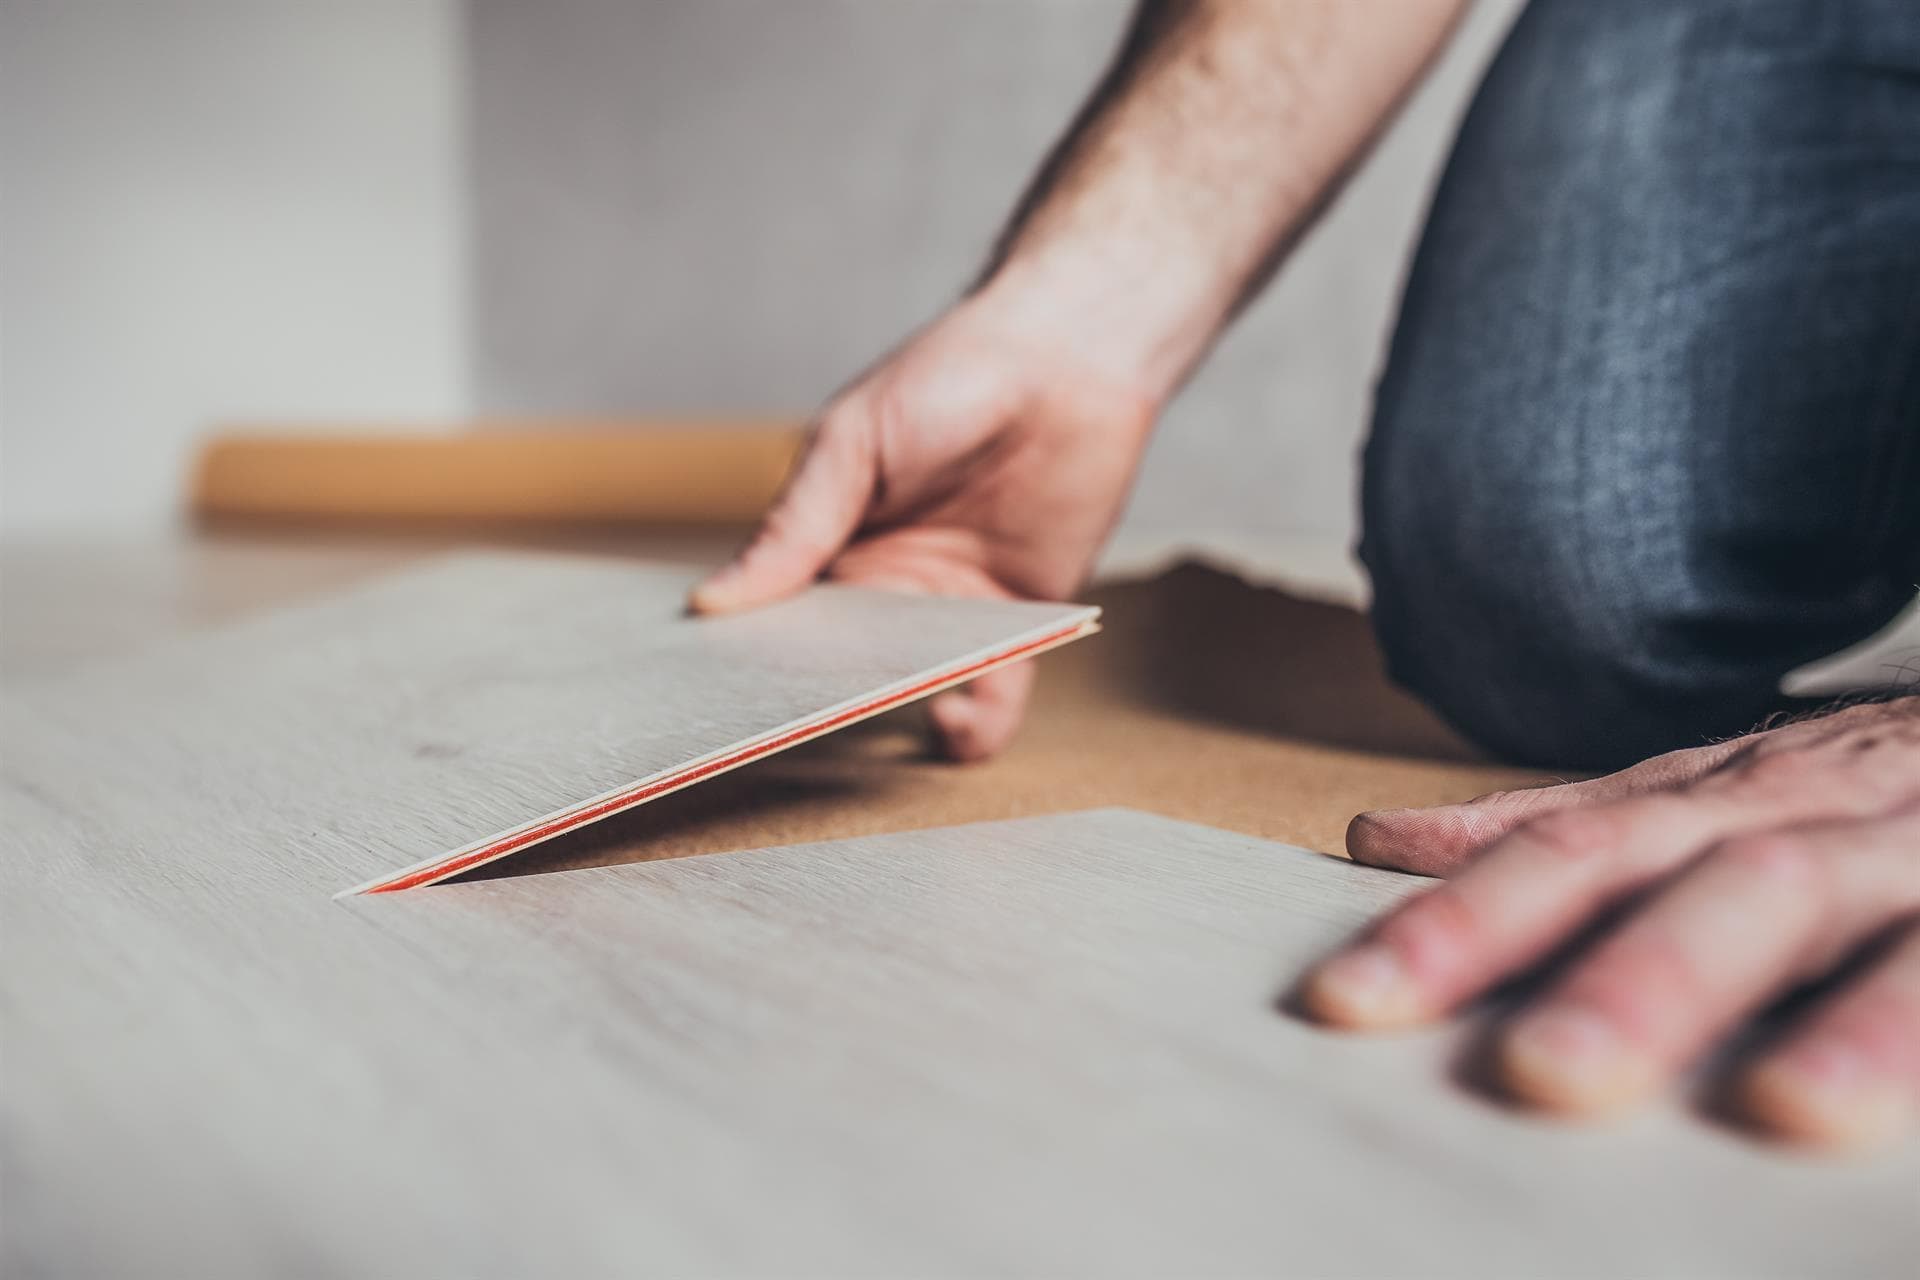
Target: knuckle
(1787, 871)
(1773, 770)
(1434, 930)
(884, 409)
(1776, 854)
(846, 425)
(844, 418)
(1575, 834)
(1638, 979)
(1882, 1021)
(782, 524)
(791, 527)
(1851, 773)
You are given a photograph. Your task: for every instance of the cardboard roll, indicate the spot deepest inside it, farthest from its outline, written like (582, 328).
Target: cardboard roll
(644, 471)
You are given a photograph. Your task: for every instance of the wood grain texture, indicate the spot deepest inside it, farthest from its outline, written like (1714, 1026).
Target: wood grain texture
(1045, 1046)
(1204, 698)
(484, 694)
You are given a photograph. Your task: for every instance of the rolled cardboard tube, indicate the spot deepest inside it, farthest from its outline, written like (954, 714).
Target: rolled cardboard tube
(665, 472)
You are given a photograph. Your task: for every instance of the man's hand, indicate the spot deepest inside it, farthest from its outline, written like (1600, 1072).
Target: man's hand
(983, 458)
(991, 453)
(1739, 872)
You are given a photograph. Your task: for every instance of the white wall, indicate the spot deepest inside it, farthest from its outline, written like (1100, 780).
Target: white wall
(219, 209)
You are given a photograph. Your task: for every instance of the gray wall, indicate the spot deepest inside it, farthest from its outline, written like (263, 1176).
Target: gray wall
(216, 209)
(735, 204)
(397, 211)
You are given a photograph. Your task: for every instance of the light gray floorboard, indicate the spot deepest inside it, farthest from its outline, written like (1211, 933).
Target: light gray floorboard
(1044, 1046)
(1047, 1046)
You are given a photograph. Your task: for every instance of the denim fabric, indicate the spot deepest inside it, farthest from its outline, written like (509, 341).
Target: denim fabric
(1649, 432)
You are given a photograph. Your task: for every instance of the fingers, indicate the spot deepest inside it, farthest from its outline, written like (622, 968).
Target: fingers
(1439, 840)
(1850, 1075)
(1538, 885)
(1508, 909)
(1721, 940)
(816, 513)
(1790, 852)
(979, 719)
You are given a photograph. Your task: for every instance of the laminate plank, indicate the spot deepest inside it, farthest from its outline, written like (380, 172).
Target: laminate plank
(458, 712)
(1037, 1047)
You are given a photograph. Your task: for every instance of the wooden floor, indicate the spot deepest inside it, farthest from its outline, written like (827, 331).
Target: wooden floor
(1055, 1046)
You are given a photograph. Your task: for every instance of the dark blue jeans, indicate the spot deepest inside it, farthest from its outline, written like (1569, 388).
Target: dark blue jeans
(1649, 431)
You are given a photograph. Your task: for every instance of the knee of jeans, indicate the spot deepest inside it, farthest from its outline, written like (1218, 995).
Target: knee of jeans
(1541, 665)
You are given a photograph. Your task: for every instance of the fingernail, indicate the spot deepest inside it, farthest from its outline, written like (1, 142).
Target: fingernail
(1366, 987)
(1394, 822)
(1824, 1092)
(1571, 1057)
(1372, 837)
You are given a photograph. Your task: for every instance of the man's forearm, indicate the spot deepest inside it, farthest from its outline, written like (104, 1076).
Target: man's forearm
(1219, 130)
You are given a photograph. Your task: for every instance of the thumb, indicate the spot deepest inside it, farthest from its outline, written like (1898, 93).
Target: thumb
(1440, 840)
(818, 509)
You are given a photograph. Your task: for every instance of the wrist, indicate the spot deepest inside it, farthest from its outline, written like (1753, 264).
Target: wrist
(1132, 320)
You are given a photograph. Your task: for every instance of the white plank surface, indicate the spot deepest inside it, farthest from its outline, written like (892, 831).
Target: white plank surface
(484, 693)
(1046, 1046)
